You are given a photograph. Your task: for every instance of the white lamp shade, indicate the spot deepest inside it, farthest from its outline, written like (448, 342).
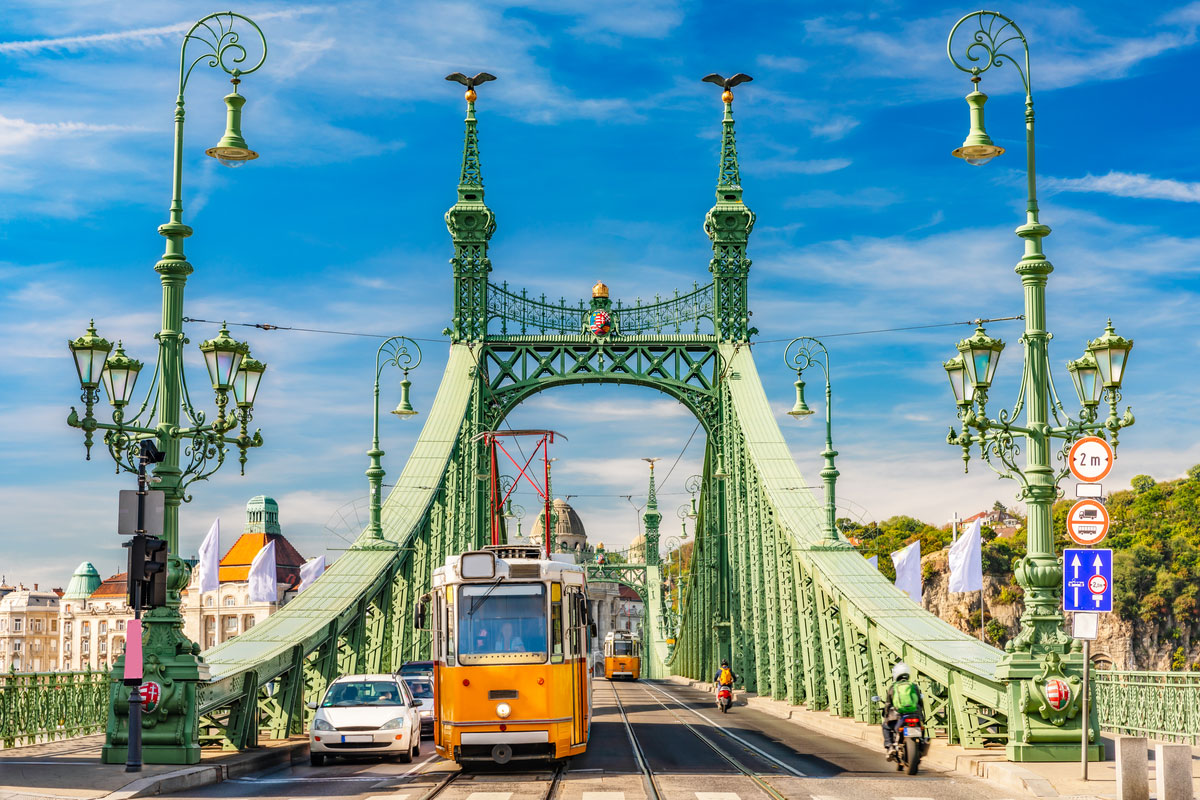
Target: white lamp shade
(223, 355)
(120, 376)
(90, 351)
(1111, 352)
(245, 382)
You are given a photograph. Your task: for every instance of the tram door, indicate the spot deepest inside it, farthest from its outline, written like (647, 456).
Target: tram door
(578, 655)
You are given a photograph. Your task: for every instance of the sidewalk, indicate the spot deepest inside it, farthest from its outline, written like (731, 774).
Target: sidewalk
(1038, 779)
(71, 770)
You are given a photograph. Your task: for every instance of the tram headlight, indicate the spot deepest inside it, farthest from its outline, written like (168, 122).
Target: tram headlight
(503, 710)
(321, 725)
(392, 724)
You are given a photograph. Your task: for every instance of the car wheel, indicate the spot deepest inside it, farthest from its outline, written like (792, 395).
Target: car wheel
(316, 759)
(407, 757)
(417, 742)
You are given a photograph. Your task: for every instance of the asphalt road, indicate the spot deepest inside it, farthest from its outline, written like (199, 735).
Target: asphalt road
(691, 750)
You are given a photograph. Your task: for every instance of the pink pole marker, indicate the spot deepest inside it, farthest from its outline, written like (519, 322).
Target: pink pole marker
(133, 650)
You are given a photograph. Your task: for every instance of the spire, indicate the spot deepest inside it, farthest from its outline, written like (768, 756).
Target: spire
(651, 518)
(471, 224)
(728, 225)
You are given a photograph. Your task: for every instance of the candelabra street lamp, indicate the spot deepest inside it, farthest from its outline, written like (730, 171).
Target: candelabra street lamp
(810, 351)
(1039, 728)
(168, 416)
(398, 352)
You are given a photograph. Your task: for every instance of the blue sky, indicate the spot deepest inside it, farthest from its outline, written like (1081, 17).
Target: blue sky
(600, 156)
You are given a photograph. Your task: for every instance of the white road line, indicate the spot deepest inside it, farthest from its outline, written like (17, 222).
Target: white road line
(603, 796)
(387, 797)
(731, 735)
(824, 797)
(489, 795)
(300, 779)
(912, 798)
(717, 796)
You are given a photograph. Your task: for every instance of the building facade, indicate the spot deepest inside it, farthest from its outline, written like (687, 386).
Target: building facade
(29, 630)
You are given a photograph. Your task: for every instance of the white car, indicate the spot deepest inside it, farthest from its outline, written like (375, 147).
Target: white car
(365, 715)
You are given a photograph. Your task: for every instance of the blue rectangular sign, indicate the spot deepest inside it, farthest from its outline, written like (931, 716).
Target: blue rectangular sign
(1087, 580)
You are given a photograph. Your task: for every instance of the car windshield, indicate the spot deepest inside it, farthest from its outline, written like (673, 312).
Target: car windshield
(421, 690)
(417, 668)
(502, 623)
(363, 693)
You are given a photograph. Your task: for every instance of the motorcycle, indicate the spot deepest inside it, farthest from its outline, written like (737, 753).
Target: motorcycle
(724, 698)
(909, 742)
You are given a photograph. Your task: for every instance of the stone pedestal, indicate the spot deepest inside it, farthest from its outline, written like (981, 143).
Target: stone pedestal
(1173, 772)
(1133, 782)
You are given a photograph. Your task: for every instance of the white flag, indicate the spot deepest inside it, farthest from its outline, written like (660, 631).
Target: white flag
(966, 561)
(210, 559)
(263, 586)
(309, 571)
(874, 561)
(908, 570)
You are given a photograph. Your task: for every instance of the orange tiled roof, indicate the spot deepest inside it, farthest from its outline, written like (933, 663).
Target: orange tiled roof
(116, 586)
(235, 566)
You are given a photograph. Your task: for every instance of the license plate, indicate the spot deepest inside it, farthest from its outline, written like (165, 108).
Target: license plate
(357, 739)
(912, 731)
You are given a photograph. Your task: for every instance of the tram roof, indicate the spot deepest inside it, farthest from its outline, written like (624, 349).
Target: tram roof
(514, 562)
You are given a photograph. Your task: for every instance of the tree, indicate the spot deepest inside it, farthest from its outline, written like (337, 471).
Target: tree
(1141, 483)
(1194, 472)
(999, 507)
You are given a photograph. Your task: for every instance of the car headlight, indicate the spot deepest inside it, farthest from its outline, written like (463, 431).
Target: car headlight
(392, 724)
(427, 713)
(503, 710)
(321, 725)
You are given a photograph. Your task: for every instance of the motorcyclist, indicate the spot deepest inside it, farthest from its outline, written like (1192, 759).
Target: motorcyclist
(901, 674)
(725, 675)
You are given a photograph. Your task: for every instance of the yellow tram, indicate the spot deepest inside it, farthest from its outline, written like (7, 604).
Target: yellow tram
(622, 655)
(510, 638)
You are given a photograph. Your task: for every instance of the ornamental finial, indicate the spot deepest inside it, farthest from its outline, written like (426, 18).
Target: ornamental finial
(729, 178)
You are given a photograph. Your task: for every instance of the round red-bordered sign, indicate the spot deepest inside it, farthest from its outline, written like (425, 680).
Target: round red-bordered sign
(151, 693)
(1090, 459)
(1097, 584)
(1087, 522)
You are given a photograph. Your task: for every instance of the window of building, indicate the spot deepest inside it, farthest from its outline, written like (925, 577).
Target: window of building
(85, 628)
(67, 665)
(230, 623)
(247, 622)
(35, 646)
(3, 625)
(229, 601)
(208, 601)
(120, 624)
(85, 647)
(17, 646)
(67, 627)
(67, 648)
(102, 628)
(212, 642)
(37, 626)
(18, 625)
(54, 626)
(102, 647)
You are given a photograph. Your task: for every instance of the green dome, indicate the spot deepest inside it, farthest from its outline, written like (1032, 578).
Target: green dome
(85, 581)
(262, 515)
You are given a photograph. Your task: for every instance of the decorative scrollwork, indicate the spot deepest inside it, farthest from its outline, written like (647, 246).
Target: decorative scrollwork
(993, 33)
(223, 48)
(397, 353)
(522, 314)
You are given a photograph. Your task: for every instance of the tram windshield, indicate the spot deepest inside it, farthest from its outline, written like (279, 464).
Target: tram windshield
(622, 647)
(502, 623)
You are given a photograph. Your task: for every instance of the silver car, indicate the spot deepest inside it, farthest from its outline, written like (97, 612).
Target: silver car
(365, 715)
(422, 692)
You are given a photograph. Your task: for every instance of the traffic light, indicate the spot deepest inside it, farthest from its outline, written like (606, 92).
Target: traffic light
(147, 576)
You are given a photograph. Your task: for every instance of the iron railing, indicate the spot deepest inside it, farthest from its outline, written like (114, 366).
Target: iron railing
(41, 706)
(521, 314)
(1157, 705)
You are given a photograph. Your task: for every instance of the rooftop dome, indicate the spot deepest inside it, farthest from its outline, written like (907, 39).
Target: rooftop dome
(85, 581)
(568, 527)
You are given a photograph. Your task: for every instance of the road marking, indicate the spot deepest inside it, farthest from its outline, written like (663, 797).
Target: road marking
(383, 797)
(912, 798)
(717, 796)
(731, 735)
(489, 795)
(603, 796)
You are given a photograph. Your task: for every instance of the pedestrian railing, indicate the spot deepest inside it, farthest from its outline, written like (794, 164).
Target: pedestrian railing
(1158, 705)
(41, 706)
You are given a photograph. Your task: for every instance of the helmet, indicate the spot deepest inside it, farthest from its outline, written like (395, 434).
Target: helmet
(901, 672)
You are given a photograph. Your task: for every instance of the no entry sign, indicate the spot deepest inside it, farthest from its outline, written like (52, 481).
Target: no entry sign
(1087, 522)
(1091, 458)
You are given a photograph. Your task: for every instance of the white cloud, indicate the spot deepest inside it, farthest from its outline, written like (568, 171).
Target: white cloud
(788, 166)
(1125, 184)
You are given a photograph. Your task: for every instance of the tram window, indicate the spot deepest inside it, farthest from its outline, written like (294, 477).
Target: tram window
(502, 623)
(622, 648)
(556, 624)
(449, 627)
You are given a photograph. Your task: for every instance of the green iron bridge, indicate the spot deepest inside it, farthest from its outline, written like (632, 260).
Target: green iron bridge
(806, 619)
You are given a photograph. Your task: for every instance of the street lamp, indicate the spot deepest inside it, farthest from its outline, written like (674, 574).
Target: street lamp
(1042, 646)
(810, 351)
(167, 416)
(394, 352)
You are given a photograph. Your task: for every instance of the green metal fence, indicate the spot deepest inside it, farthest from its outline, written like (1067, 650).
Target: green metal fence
(39, 706)
(1158, 705)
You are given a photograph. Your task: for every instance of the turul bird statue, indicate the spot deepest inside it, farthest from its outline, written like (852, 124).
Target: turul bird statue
(470, 83)
(727, 83)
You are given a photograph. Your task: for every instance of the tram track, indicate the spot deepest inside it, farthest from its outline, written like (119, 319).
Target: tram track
(517, 777)
(653, 790)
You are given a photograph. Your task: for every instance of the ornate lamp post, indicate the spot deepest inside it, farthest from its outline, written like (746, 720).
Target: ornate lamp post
(1038, 728)
(393, 352)
(810, 351)
(169, 417)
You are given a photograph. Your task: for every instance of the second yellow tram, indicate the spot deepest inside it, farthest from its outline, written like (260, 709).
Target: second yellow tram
(510, 638)
(622, 655)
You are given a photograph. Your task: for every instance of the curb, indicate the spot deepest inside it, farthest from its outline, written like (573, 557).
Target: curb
(208, 774)
(992, 767)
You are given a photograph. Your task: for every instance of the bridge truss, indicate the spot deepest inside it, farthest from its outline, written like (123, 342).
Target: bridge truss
(805, 622)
